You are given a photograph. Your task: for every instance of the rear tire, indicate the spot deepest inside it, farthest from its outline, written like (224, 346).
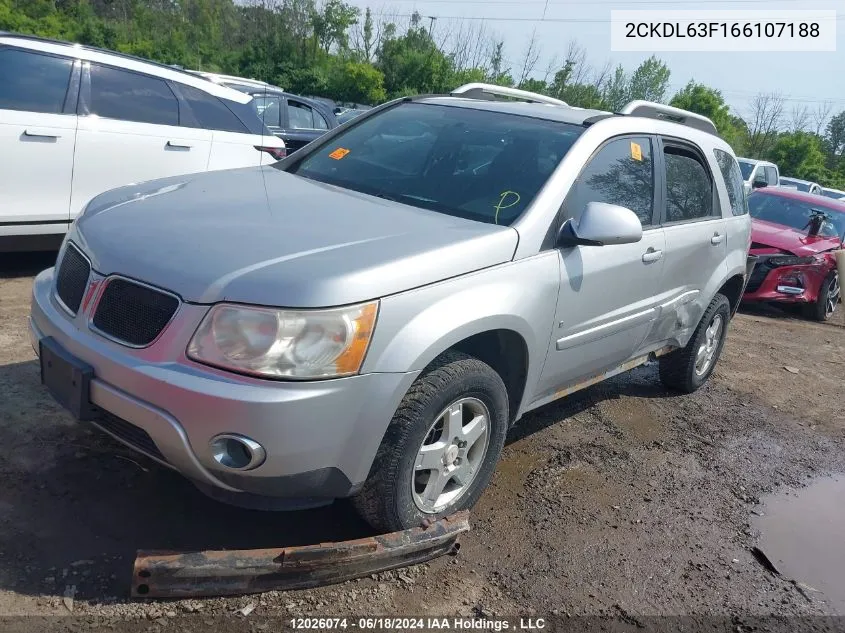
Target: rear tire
(442, 405)
(829, 294)
(688, 368)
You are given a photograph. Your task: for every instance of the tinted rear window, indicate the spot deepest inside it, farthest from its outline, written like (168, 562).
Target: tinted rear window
(480, 165)
(211, 113)
(128, 96)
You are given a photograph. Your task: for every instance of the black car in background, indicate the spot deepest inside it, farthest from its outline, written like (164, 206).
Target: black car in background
(296, 120)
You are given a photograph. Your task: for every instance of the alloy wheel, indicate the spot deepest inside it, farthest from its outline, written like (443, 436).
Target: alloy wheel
(451, 455)
(709, 346)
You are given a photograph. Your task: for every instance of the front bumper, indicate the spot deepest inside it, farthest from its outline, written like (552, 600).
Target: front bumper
(320, 437)
(788, 284)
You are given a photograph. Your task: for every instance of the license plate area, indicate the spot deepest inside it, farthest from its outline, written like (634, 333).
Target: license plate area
(67, 378)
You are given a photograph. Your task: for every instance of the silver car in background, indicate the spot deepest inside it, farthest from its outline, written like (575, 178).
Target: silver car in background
(369, 317)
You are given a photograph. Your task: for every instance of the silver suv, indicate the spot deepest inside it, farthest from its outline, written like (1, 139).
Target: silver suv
(369, 316)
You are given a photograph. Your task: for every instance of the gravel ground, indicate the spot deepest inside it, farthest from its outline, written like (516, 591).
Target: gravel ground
(625, 501)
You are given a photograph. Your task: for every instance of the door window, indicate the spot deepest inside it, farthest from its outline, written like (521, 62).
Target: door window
(32, 82)
(127, 96)
(621, 173)
(301, 116)
(689, 189)
(211, 113)
(319, 121)
(268, 108)
(733, 181)
(771, 176)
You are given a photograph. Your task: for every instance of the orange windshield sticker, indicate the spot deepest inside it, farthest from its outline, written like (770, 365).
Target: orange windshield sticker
(339, 153)
(636, 151)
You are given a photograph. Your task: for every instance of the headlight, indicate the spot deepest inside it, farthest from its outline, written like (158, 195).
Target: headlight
(791, 260)
(295, 344)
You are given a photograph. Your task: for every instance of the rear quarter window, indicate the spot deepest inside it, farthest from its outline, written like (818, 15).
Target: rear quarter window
(210, 112)
(732, 175)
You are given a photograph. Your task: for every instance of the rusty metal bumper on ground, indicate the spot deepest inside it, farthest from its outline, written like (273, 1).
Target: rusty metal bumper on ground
(160, 574)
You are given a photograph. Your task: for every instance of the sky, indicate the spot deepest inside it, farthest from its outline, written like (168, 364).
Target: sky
(803, 78)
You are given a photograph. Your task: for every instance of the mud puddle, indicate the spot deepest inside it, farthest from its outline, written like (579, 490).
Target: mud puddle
(801, 534)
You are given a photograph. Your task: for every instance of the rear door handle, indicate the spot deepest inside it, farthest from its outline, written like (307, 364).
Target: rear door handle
(716, 239)
(36, 133)
(652, 255)
(173, 145)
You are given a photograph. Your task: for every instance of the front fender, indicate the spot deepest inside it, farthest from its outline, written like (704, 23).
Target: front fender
(416, 326)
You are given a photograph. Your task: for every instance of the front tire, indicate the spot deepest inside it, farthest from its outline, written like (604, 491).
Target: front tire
(441, 447)
(824, 307)
(688, 368)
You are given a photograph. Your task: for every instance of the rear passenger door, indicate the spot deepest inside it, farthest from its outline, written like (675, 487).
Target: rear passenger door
(696, 236)
(37, 134)
(302, 125)
(129, 131)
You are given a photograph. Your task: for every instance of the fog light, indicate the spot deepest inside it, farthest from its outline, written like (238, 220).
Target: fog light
(237, 452)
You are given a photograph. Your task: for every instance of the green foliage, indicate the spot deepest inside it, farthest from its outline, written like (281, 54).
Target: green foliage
(357, 82)
(304, 46)
(799, 154)
(709, 102)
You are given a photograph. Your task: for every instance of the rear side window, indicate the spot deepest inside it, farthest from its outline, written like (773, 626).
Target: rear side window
(733, 181)
(621, 173)
(301, 116)
(127, 96)
(211, 113)
(32, 82)
(689, 190)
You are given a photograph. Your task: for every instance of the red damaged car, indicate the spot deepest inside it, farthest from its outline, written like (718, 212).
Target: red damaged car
(793, 236)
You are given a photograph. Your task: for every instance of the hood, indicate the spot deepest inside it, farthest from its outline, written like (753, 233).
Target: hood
(768, 237)
(262, 236)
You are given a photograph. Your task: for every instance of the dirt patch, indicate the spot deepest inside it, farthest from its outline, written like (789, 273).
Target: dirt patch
(625, 499)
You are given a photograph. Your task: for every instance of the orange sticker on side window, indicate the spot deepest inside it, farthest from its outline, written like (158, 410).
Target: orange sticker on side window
(339, 153)
(636, 151)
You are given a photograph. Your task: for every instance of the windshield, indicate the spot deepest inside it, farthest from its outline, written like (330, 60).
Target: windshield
(475, 164)
(746, 168)
(794, 213)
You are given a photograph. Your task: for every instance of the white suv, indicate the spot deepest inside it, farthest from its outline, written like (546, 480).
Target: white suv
(76, 121)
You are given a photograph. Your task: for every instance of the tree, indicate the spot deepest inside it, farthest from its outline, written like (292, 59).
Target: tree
(529, 59)
(799, 154)
(616, 92)
(766, 117)
(331, 24)
(709, 102)
(835, 135)
(649, 81)
(357, 82)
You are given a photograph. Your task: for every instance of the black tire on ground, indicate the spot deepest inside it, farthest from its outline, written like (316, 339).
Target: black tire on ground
(677, 369)
(386, 501)
(818, 310)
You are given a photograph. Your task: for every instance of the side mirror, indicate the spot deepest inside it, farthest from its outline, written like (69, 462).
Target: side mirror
(759, 183)
(602, 224)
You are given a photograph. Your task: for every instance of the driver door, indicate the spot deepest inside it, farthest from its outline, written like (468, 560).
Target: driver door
(608, 302)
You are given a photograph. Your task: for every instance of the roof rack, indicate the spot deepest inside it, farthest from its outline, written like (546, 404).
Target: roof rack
(489, 92)
(651, 110)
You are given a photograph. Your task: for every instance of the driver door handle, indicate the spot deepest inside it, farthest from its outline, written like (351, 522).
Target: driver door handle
(652, 255)
(172, 145)
(716, 239)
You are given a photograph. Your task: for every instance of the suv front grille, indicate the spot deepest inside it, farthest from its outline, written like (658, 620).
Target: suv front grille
(72, 278)
(132, 313)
